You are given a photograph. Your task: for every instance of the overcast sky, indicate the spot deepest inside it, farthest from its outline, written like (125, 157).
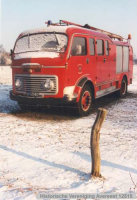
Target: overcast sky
(117, 16)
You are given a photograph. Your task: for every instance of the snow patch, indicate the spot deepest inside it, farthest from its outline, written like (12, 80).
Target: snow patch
(50, 152)
(36, 55)
(59, 29)
(68, 90)
(48, 42)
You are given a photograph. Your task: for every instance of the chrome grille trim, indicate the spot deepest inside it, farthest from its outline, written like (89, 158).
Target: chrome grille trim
(32, 83)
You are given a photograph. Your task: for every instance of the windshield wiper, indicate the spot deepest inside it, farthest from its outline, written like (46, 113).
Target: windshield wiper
(56, 38)
(28, 41)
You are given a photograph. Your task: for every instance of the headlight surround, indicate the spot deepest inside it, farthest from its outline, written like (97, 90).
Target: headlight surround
(48, 84)
(18, 83)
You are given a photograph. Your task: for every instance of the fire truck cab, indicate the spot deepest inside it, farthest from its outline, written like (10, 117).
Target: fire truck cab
(67, 63)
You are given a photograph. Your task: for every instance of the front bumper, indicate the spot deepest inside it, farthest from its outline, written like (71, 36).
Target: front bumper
(42, 101)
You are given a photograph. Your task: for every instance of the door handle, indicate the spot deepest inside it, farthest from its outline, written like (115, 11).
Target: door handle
(87, 60)
(79, 68)
(104, 60)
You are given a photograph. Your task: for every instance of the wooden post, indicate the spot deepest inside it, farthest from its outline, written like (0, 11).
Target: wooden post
(94, 143)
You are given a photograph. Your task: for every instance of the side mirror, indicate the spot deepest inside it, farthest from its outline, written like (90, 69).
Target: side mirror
(78, 50)
(11, 52)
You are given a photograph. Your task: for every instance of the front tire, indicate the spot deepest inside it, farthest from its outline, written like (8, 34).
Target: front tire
(85, 101)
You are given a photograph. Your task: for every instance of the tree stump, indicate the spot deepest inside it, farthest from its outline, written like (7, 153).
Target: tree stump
(94, 143)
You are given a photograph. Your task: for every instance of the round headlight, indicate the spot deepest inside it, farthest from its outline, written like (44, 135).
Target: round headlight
(48, 84)
(18, 83)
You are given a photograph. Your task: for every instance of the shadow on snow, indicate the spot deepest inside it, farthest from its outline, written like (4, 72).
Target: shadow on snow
(107, 163)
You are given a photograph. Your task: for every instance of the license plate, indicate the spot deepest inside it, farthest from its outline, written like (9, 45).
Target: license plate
(33, 94)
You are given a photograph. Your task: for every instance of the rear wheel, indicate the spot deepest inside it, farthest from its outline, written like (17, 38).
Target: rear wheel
(85, 102)
(123, 90)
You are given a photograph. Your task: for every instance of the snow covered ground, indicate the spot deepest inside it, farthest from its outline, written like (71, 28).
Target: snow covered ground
(49, 151)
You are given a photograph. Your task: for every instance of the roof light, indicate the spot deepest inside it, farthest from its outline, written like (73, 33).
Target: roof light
(129, 36)
(49, 22)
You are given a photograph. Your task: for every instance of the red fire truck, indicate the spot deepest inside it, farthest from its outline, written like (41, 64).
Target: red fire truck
(66, 63)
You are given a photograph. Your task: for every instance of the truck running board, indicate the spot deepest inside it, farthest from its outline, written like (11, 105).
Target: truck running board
(106, 91)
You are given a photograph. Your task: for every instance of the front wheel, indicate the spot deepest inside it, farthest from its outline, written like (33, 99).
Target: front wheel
(85, 101)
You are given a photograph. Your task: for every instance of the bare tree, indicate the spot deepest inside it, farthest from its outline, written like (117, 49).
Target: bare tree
(4, 56)
(2, 48)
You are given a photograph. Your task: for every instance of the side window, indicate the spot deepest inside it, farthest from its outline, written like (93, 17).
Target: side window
(79, 46)
(107, 48)
(92, 46)
(100, 47)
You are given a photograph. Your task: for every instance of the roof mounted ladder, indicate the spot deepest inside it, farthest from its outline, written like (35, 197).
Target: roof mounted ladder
(111, 35)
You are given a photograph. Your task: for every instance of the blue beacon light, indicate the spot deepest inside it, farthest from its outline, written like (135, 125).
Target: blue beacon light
(49, 22)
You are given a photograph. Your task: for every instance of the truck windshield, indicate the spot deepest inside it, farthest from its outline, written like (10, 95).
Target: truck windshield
(52, 42)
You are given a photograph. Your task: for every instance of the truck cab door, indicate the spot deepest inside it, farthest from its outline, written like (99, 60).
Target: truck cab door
(92, 59)
(78, 60)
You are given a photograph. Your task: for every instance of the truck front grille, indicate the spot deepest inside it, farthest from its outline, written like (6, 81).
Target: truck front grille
(34, 84)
